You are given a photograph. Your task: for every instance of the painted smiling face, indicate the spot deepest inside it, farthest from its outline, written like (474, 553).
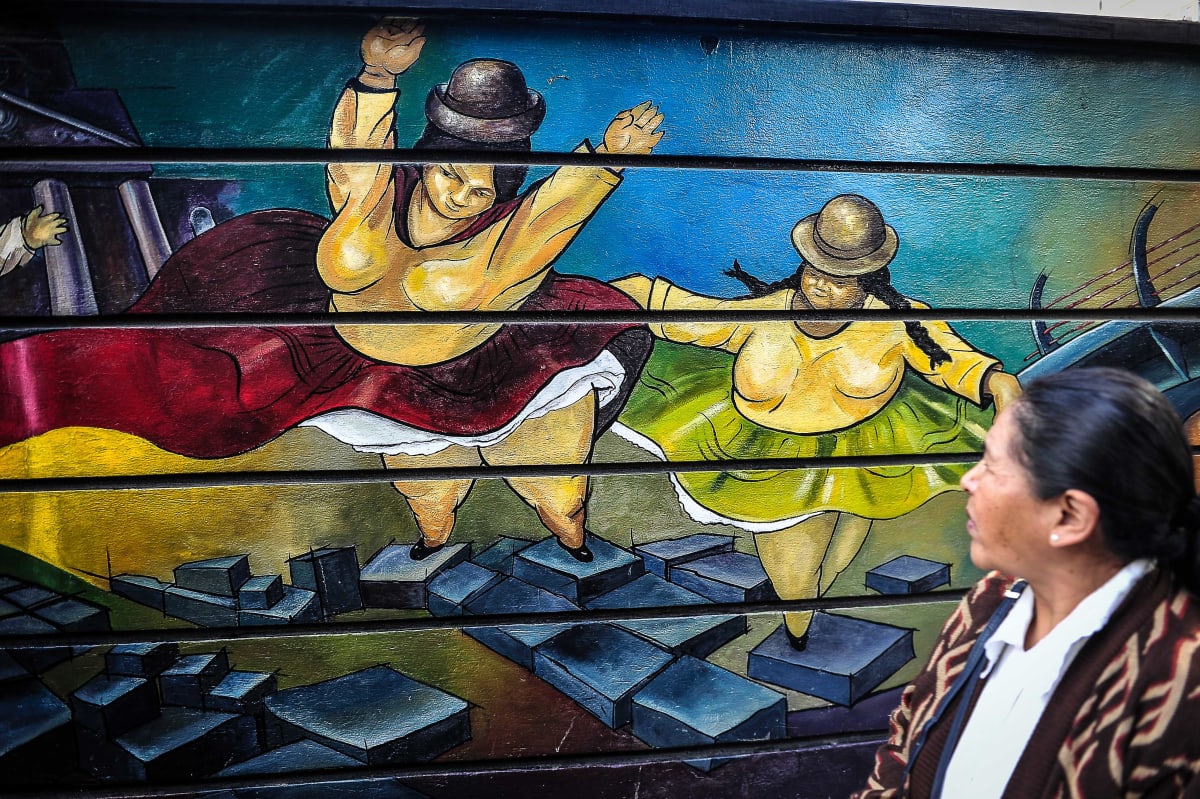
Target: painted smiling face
(459, 191)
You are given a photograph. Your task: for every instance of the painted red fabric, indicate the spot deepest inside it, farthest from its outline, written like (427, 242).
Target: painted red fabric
(214, 392)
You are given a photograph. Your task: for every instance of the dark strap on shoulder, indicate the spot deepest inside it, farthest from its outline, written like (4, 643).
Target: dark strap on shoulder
(967, 676)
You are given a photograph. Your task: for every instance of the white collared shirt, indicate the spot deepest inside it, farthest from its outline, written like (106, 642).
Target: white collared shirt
(1020, 683)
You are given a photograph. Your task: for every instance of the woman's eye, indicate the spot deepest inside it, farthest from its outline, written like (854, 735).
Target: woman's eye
(483, 193)
(448, 172)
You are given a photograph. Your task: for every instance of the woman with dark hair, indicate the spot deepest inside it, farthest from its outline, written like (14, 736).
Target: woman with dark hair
(814, 389)
(1072, 668)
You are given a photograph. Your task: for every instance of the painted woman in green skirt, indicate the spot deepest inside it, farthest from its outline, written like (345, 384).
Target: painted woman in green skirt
(806, 389)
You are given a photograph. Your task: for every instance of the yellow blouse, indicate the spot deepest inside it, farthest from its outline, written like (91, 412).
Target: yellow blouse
(787, 380)
(369, 268)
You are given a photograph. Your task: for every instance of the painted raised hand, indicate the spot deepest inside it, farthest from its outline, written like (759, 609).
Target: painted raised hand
(635, 131)
(392, 46)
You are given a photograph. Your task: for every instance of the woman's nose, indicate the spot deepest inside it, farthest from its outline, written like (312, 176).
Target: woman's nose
(967, 481)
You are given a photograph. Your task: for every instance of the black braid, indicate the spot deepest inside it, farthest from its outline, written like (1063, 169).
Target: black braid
(756, 287)
(879, 283)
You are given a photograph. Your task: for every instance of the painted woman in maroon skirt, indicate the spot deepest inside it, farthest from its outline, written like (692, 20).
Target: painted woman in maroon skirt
(434, 237)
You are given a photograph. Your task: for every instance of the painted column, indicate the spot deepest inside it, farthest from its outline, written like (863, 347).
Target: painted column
(71, 292)
(147, 227)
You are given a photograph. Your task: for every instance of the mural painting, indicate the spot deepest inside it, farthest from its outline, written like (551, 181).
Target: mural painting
(600, 456)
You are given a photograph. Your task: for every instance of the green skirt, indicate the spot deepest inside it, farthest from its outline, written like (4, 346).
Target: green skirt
(683, 405)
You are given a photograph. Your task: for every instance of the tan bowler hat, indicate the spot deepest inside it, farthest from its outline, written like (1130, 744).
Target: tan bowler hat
(847, 238)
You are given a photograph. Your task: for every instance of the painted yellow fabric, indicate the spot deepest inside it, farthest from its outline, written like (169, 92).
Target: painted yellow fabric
(784, 379)
(370, 268)
(685, 405)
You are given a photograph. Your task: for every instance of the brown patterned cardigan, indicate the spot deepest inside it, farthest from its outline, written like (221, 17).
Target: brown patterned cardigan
(1123, 722)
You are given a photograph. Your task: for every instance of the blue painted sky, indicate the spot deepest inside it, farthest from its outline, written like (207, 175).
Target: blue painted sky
(964, 241)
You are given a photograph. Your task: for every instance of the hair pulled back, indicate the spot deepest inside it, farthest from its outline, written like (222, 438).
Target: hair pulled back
(1114, 436)
(506, 178)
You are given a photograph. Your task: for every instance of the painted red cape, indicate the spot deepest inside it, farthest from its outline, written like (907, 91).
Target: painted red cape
(214, 392)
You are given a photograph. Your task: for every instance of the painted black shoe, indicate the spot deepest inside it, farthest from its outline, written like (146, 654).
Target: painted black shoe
(581, 553)
(421, 550)
(798, 642)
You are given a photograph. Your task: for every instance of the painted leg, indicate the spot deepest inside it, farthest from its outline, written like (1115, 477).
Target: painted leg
(792, 559)
(434, 503)
(848, 536)
(562, 436)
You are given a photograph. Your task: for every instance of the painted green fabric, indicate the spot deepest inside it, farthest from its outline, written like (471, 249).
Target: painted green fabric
(683, 404)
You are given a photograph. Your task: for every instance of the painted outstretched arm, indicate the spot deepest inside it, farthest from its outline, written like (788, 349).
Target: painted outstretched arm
(22, 236)
(659, 294)
(550, 217)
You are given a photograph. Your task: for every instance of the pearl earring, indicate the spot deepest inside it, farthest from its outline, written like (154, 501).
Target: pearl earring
(1054, 538)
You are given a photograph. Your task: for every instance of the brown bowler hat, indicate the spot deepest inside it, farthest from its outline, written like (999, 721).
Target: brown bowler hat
(847, 238)
(486, 101)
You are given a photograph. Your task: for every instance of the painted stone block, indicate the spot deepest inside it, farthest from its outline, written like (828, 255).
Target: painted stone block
(141, 589)
(220, 576)
(112, 706)
(10, 583)
(206, 610)
(298, 606)
(9, 609)
(694, 703)
(846, 658)
(73, 615)
(698, 636)
(35, 729)
(333, 573)
(140, 660)
(376, 716)
(36, 659)
(647, 591)
(261, 592)
(908, 575)
(499, 556)
(548, 565)
(391, 579)
(661, 556)
(240, 692)
(10, 669)
(302, 755)
(511, 595)
(30, 596)
(517, 641)
(870, 714)
(182, 743)
(728, 577)
(191, 676)
(601, 667)
(455, 587)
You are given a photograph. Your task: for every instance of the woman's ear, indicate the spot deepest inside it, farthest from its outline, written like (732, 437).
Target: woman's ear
(1078, 518)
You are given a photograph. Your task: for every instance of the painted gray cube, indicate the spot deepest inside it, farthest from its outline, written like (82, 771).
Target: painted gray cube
(9, 609)
(511, 595)
(30, 596)
(299, 756)
(260, 593)
(694, 703)
(191, 676)
(220, 576)
(10, 669)
(141, 589)
(661, 556)
(516, 641)
(298, 606)
(499, 556)
(908, 575)
(845, 659)
(601, 667)
(377, 716)
(35, 730)
(205, 610)
(73, 615)
(548, 565)
(391, 579)
(10, 583)
(140, 660)
(112, 706)
(240, 692)
(36, 659)
(182, 743)
(457, 586)
(728, 577)
(333, 573)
